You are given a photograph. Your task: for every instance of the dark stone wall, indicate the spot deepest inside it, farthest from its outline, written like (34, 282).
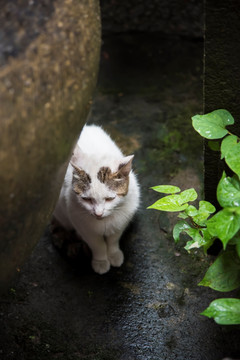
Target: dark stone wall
(221, 76)
(175, 17)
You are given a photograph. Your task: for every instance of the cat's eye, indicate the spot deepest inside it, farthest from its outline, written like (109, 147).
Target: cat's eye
(110, 198)
(87, 199)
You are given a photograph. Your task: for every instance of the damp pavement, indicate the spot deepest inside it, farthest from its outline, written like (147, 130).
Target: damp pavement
(149, 309)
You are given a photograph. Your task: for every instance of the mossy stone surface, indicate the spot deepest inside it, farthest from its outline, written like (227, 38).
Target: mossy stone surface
(49, 62)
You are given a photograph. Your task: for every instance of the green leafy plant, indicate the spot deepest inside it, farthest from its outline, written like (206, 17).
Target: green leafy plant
(204, 225)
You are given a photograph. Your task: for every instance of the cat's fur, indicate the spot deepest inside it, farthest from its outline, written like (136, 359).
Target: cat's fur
(99, 196)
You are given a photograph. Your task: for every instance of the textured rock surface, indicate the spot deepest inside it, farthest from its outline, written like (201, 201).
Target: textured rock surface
(49, 56)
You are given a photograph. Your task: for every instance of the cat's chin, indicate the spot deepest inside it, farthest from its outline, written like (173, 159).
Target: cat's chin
(98, 217)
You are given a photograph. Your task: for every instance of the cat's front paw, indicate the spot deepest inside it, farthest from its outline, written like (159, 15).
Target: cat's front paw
(116, 258)
(101, 266)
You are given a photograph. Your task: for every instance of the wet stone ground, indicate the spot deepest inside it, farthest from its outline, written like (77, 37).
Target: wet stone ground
(149, 309)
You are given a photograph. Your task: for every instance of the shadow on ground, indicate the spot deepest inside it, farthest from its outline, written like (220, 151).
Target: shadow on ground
(149, 308)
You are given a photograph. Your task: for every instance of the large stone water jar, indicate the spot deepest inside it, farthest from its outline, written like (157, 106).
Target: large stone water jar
(49, 56)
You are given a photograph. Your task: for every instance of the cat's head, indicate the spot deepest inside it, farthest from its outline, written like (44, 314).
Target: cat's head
(101, 190)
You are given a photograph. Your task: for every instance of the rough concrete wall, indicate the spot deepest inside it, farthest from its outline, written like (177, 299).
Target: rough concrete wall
(174, 17)
(222, 75)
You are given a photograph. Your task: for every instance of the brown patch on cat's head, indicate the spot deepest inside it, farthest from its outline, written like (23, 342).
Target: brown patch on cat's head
(119, 180)
(104, 174)
(80, 180)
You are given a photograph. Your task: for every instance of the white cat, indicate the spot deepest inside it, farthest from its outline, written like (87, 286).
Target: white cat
(99, 196)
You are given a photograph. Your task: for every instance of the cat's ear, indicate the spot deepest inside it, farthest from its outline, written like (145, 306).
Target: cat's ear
(77, 170)
(125, 166)
(77, 154)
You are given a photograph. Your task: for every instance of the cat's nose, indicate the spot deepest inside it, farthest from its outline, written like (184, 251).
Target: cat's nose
(98, 214)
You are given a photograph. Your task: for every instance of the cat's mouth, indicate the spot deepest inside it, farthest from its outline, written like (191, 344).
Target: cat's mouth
(98, 217)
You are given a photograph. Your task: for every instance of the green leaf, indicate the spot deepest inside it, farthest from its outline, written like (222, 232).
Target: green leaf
(230, 150)
(188, 195)
(235, 240)
(206, 206)
(224, 311)
(224, 224)
(209, 239)
(224, 274)
(182, 215)
(175, 202)
(227, 144)
(200, 237)
(197, 239)
(169, 203)
(205, 209)
(191, 211)
(212, 125)
(178, 228)
(228, 191)
(200, 216)
(166, 189)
